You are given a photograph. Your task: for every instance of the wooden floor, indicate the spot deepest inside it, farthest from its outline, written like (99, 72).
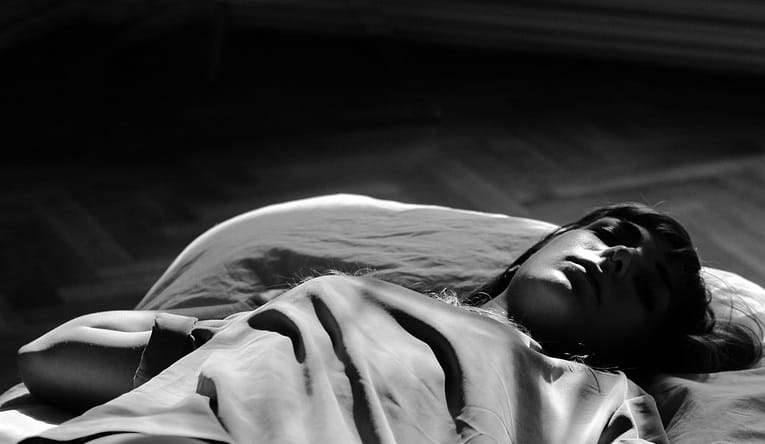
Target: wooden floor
(122, 155)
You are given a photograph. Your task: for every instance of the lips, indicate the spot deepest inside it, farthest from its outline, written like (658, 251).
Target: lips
(592, 273)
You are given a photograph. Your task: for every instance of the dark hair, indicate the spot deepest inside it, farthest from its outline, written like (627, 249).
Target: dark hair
(690, 340)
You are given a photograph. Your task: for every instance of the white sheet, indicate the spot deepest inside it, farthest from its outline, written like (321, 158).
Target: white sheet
(246, 261)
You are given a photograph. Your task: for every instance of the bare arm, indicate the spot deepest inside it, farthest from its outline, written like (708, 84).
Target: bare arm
(88, 360)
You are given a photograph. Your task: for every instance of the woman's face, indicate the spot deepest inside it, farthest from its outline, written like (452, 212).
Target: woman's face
(604, 285)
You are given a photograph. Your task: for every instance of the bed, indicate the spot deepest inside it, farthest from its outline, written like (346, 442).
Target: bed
(246, 262)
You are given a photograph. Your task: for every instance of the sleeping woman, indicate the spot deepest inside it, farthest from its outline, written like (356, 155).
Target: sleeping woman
(619, 290)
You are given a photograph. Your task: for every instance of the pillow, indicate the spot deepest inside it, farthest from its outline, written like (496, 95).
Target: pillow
(243, 262)
(724, 406)
(250, 258)
(736, 299)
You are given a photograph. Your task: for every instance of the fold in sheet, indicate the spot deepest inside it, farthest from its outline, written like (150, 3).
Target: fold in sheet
(350, 360)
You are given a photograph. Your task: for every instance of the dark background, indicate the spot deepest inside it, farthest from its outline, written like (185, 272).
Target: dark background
(125, 138)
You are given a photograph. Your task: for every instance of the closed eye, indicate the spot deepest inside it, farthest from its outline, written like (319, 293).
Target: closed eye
(606, 234)
(618, 232)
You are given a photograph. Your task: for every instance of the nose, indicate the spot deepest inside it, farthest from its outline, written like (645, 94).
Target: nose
(620, 258)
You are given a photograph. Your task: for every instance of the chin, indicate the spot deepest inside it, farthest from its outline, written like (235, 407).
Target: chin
(544, 308)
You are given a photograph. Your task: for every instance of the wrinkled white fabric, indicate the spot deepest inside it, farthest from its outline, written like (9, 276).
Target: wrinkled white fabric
(349, 360)
(246, 261)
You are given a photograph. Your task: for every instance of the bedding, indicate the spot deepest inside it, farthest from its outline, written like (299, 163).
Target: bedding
(246, 262)
(348, 359)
